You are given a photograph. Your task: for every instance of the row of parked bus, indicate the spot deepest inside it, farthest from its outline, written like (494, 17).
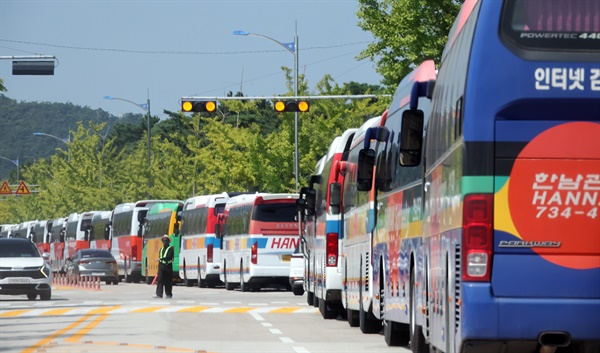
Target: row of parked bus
(237, 239)
(465, 217)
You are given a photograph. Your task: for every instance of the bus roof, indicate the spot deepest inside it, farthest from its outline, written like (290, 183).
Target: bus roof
(165, 207)
(205, 200)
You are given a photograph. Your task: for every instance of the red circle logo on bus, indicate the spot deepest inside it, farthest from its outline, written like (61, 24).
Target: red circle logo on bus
(554, 195)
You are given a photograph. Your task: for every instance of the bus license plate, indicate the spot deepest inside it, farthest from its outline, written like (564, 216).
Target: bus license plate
(286, 258)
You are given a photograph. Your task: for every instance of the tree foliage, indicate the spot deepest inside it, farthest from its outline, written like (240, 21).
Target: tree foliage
(407, 33)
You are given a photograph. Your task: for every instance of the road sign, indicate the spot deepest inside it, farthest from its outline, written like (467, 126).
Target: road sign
(5, 189)
(22, 189)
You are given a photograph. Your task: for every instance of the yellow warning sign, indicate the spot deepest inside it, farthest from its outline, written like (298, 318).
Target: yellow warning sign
(5, 189)
(22, 189)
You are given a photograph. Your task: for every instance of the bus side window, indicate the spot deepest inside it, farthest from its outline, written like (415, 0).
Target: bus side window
(412, 138)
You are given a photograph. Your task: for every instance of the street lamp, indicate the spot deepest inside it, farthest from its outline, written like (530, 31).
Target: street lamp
(145, 107)
(15, 162)
(292, 47)
(66, 141)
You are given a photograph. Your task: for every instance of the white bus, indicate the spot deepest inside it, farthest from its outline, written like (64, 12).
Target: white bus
(99, 233)
(323, 248)
(358, 220)
(126, 237)
(260, 234)
(200, 253)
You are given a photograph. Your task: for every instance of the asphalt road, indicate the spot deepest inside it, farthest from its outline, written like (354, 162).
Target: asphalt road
(125, 318)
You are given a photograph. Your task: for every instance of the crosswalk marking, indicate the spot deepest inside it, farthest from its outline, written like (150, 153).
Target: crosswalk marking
(100, 310)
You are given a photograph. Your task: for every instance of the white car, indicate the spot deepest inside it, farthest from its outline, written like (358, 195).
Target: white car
(297, 272)
(23, 270)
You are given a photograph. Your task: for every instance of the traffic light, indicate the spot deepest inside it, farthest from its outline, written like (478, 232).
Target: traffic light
(291, 106)
(33, 67)
(199, 106)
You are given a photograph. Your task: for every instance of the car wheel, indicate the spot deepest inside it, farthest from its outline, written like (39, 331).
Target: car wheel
(31, 296)
(46, 296)
(298, 290)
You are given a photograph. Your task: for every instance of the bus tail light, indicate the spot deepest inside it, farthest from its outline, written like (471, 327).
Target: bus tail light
(134, 256)
(254, 254)
(209, 253)
(332, 249)
(477, 237)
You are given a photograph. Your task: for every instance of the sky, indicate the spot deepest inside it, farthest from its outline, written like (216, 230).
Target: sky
(164, 50)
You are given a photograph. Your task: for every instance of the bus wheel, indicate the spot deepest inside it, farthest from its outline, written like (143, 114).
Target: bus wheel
(417, 340)
(366, 321)
(326, 310)
(243, 286)
(228, 286)
(352, 317)
(201, 283)
(394, 333)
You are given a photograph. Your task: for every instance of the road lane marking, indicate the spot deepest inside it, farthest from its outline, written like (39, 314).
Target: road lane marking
(257, 316)
(118, 309)
(47, 339)
(286, 340)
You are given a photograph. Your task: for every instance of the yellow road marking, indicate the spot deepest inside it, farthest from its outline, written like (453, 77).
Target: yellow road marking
(238, 310)
(58, 333)
(77, 335)
(150, 309)
(193, 309)
(14, 313)
(283, 311)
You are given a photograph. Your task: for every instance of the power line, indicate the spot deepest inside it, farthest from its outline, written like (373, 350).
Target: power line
(166, 52)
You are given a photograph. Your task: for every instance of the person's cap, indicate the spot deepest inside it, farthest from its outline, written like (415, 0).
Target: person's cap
(166, 237)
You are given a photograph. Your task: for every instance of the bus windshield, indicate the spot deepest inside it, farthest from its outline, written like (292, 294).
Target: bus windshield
(553, 25)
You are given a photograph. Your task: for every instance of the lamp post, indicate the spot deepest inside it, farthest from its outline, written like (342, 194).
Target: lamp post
(65, 141)
(145, 107)
(15, 162)
(292, 47)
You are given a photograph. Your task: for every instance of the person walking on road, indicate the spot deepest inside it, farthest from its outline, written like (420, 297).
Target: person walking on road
(165, 269)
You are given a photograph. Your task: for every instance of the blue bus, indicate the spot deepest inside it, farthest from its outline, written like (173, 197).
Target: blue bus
(508, 158)
(511, 163)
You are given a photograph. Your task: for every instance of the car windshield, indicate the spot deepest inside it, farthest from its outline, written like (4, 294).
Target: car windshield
(96, 253)
(18, 249)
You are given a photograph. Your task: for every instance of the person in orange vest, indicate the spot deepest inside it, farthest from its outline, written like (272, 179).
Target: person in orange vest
(164, 279)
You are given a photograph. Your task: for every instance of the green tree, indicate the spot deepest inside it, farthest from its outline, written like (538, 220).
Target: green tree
(2, 88)
(407, 33)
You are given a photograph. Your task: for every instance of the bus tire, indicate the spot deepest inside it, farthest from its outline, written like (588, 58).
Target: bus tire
(228, 286)
(394, 333)
(326, 310)
(310, 296)
(243, 286)
(366, 321)
(201, 283)
(352, 317)
(417, 339)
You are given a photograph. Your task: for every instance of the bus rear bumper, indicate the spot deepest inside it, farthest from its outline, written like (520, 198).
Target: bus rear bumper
(484, 317)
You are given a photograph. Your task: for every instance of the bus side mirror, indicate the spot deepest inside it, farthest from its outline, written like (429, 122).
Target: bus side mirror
(411, 138)
(335, 197)
(366, 161)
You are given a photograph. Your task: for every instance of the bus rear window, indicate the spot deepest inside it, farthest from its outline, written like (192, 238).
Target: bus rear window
(275, 212)
(552, 25)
